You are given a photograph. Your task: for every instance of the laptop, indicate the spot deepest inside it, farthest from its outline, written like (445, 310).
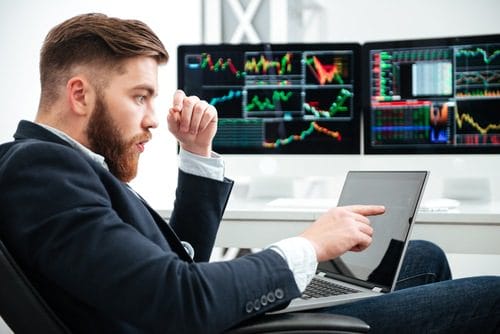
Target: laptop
(374, 271)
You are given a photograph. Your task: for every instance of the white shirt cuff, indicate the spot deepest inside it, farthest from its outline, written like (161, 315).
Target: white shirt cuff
(300, 255)
(210, 167)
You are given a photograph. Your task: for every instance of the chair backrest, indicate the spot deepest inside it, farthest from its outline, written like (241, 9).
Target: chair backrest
(21, 307)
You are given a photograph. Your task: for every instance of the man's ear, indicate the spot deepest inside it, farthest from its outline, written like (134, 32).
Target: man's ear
(80, 95)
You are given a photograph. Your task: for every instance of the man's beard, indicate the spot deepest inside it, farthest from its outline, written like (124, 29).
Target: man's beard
(121, 155)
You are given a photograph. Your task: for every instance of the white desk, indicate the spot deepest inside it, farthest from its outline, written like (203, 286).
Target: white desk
(469, 234)
(471, 228)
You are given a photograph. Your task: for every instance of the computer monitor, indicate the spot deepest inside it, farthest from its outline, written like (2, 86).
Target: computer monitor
(278, 98)
(439, 95)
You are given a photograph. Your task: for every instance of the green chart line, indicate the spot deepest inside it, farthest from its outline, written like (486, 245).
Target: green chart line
(267, 104)
(479, 52)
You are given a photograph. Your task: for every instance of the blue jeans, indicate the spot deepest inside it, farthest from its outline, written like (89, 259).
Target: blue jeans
(427, 300)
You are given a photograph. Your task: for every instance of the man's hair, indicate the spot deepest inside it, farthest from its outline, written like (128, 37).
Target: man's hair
(96, 40)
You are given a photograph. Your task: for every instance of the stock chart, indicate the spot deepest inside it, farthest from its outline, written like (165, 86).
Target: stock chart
(434, 95)
(277, 98)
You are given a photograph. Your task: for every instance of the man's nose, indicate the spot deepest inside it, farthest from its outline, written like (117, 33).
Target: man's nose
(150, 120)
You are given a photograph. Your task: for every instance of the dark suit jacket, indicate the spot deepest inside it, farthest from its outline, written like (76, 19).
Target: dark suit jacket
(107, 263)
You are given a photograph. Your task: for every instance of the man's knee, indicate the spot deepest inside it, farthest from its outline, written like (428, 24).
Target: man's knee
(427, 249)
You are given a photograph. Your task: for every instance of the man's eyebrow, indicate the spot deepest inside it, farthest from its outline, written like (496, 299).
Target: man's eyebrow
(151, 91)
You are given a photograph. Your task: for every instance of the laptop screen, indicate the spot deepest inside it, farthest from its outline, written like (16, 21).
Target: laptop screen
(399, 192)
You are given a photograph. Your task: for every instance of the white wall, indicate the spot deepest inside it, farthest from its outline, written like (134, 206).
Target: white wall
(24, 24)
(368, 20)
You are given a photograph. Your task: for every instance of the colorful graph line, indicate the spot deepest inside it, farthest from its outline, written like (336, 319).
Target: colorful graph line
(325, 73)
(219, 65)
(460, 119)
(479, 52)
(313, 126)
(267, 104)
(336, 106)
(263, 65)
(480, 77)
(232, 94)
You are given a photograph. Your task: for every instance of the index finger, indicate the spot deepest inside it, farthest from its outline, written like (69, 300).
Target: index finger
(179, 96)
(366, 210)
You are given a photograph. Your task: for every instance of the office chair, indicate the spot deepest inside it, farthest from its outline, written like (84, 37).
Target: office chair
(25, 311)
(21, 307)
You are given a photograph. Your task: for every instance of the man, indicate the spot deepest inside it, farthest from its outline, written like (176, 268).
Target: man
(107, 263)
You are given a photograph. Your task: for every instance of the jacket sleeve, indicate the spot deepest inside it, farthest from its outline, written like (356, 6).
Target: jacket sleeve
(198, 209)
(58, 218)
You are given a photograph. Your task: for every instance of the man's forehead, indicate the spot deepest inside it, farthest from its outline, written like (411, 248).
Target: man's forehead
(139, 73)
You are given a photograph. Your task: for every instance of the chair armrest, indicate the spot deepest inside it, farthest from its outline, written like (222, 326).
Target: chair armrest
(301, 323)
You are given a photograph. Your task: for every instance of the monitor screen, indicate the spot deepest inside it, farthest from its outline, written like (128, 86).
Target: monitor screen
(278, 98)
(432, 96)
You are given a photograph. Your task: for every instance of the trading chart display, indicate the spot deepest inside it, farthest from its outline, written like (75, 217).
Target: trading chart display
(276, 98)
(433, 96)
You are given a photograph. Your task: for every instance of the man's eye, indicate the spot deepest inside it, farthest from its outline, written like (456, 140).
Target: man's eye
(140, 99)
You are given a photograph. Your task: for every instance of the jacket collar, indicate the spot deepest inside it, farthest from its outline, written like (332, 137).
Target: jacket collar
(32, 130)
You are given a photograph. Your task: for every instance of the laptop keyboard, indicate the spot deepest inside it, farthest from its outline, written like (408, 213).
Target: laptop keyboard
(321, 288)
